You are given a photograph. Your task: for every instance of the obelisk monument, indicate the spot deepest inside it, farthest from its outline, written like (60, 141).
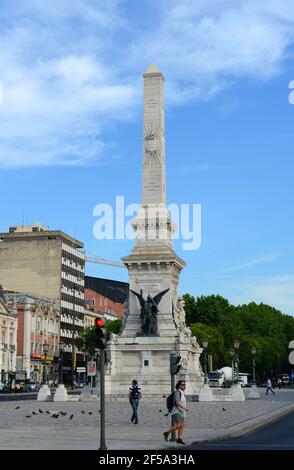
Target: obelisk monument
(154, 323)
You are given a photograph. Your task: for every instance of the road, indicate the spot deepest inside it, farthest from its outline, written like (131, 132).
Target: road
(275, 436)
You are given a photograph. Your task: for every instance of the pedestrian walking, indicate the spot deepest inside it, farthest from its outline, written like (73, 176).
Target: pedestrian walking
(279, 382)
(269, 386)
(178, 413)
(135, 394)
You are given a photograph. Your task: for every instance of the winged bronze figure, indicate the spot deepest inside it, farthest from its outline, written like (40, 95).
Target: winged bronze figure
(149, 310)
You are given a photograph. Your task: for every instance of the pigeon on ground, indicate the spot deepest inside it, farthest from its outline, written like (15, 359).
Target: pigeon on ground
(17, 408)
(48, 412)
(63, 413)
(34, 413)
(99, 411)
(166, 414)
(82, 411)
(28, 416)
(55, 415)
(71, 416)
(41, 411)
(90, 412)
(223, 409)
(159, 411)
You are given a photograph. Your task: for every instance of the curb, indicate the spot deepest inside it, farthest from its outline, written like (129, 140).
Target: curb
(279, 414)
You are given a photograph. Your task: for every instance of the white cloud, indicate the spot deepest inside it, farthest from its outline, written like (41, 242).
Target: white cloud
(277, 291)
(59, 94)
(202, 45)
(259, 260)
(69, 69)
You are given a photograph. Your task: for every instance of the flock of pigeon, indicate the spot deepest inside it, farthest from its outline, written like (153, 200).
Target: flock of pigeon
(54, 414)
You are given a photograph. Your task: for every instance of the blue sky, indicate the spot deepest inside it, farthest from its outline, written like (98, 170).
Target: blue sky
(71, 128)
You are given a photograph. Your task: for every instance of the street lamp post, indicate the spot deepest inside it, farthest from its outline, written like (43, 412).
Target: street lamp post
(45, 350)
(205, 346)
(236, 360)
(253, 352)
(61, 349)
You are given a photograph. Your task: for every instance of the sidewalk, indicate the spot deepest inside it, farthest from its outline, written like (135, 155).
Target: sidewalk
(207, 421)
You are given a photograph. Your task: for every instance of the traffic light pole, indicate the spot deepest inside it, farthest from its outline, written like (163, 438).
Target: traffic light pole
(102, 400)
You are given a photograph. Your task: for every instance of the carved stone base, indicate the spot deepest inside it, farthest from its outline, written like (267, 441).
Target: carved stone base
(146, 359)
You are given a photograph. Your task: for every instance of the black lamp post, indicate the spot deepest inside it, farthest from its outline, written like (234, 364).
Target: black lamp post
(61, 349)
(236, 360)
(253, 352)
(205, 346)
(45, 350)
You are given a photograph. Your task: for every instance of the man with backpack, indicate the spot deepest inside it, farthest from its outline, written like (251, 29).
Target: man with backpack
(178, 412)
(135, 394)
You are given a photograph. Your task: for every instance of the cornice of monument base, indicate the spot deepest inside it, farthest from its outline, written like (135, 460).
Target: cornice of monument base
(153, 256)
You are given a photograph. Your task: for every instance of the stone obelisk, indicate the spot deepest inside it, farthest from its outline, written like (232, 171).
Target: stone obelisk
(153, 268)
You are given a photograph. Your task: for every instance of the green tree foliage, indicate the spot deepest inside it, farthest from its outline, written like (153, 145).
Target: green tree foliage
(113, 326)
(86, 341)
(266, 328)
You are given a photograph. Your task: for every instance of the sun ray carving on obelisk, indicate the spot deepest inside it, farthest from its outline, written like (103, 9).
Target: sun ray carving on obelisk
(154, 180)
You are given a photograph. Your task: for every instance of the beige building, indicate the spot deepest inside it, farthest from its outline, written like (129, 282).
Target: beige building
(47, 263)
(8, 331)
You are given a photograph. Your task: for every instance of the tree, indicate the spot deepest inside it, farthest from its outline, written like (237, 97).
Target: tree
(190, 304)
(215, 342)
(113, 326)
(86, 341)
(259, 325)
(211, 309)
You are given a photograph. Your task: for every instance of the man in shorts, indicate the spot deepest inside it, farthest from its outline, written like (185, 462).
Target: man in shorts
(178, 413)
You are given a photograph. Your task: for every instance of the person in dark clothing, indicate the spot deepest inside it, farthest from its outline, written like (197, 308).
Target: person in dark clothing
(135, 394)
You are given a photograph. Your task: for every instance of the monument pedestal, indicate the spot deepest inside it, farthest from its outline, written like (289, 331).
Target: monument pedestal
(146, 359)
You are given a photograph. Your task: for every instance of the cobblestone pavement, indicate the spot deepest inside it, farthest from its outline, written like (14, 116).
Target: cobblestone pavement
(206, 421)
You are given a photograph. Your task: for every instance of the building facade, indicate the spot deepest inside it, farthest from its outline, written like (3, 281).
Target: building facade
(48, 264)
(8, 332)
(37, 352)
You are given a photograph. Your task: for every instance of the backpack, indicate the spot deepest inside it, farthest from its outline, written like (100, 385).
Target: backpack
(170, 401)
(135, 393)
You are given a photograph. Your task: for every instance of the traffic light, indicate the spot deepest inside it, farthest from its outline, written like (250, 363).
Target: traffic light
(175, 367)
(100, 333)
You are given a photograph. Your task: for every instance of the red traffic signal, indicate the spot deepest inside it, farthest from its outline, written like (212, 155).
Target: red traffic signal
(100, 333)
(99, 322)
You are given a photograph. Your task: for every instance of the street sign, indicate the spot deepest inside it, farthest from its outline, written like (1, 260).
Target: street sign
(91, 366)
(81, 369)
